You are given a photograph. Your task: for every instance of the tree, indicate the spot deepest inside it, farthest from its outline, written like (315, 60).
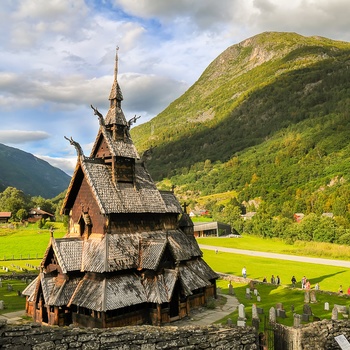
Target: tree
(22, 214)
(13, 200)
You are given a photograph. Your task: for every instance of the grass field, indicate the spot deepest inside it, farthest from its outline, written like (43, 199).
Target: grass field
(12, 301)
(311, 249)
(26, 242)
(329, 277)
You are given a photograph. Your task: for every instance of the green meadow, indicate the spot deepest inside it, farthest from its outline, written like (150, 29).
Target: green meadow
(27, 242)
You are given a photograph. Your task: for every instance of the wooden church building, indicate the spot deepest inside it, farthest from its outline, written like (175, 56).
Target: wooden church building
(129, 256)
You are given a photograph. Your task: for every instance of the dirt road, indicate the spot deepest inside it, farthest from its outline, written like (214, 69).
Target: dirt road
(304, 259)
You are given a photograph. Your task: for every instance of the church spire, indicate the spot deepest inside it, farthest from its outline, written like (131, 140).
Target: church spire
(115, 114)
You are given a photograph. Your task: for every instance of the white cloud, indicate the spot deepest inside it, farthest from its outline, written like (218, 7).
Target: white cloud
(66, 164)
(20, 136)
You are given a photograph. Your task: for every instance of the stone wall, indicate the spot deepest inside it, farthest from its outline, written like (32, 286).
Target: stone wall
(35, 337)
(320, 335)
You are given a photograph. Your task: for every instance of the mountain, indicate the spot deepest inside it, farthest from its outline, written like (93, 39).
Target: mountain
(268, 118)
(30, 174)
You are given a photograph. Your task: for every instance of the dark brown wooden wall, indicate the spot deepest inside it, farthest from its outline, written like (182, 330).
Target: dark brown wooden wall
(86, 202)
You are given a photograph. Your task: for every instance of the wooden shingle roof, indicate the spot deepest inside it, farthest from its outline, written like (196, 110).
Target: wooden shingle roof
(109, 293)
(190, 281)
(62, 292)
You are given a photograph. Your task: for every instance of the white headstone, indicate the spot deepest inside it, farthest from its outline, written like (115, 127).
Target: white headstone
(255, 292)
(2, 305)
(334, 313)
(258, 298)
(247, 290)
(272, 315)
(254, 311)
(326, 305)
(241, 311)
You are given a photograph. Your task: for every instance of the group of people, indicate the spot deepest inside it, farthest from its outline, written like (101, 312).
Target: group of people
(273, 280)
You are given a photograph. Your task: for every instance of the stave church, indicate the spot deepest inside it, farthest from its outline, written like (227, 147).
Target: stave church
(129, 256)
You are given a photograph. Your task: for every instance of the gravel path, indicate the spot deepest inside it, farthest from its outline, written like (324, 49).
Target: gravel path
(304, 259)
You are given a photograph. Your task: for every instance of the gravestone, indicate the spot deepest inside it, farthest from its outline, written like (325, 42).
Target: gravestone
(241, 322)
(247, 291)
(334, 313)
(254, 311)
(9, 287)
(307, 309)
(305, 317)
(307, 297)
(326, 306)
(272, 315)
(296, 320)
(313, 296)
(230, 289)
(256, 323)
(260, 310)
(241, 311)
(256, 292)
(279, 306)
(258, 298)
(2, 306)
(281, 313)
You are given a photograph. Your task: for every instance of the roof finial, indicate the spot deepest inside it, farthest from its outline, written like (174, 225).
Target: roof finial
(76, 145)
(116, 64)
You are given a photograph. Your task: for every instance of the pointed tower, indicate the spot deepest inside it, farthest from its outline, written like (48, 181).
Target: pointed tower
(126, 258)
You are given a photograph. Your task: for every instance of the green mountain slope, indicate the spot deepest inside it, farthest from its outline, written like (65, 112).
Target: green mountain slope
(30, 174)
(268, 118)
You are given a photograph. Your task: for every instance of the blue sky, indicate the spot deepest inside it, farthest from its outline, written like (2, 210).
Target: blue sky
(57, 58)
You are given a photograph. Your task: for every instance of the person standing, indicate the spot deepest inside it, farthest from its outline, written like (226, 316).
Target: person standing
(244, 272)
(278, 280)
(273, 279)
(303, 282)
(294, 281)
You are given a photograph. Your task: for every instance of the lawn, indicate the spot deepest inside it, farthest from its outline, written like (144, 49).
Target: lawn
(311, 249)
(27, 242)
(329, 277)
(13, 302)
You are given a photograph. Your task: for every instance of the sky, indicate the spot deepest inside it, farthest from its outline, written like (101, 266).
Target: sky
(57, 58)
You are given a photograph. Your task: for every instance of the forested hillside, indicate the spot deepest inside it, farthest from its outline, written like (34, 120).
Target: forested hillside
(268, 119)
(30, 174)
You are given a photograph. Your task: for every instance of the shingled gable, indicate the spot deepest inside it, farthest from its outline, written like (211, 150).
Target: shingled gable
(129, 256)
